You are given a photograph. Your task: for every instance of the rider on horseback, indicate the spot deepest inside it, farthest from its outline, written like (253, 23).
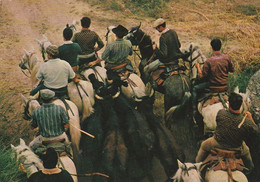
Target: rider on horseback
(168, 52)
(87, 40)
(116, 53)
(69, 51)
(51, 120)
(215, 70)
(231, 132)
(50, 172)
(54, 74)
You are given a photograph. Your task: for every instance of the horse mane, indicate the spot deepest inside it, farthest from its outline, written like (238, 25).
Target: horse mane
(145, 43)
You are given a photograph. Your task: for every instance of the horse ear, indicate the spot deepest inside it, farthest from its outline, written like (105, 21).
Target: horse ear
(67, 25)
(236, 90)
(22, 142)
(74, 22)
(26, 52)
(180, 164)
(33, 50)
(24, 99)
(45, 37)
(12, 147)
(198, 165)
(38, 41)
(139, 25)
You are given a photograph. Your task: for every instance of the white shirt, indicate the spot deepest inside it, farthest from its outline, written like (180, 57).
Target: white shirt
(55, 73)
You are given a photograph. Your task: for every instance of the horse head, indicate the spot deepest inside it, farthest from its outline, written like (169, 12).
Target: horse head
(187, 172)
(134, 35)
(29, 104)
(27, 60)
(72, 26)
(195, 56)
(110, 36)
(43, 45)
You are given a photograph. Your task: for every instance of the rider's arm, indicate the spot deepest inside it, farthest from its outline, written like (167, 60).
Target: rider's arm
(100, 44)
(199, 70)
(64, 117)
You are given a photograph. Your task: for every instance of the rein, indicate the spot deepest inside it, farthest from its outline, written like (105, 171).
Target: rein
(26, 113)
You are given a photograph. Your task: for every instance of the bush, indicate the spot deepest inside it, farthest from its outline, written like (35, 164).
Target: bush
(241, 78)
(248, 9)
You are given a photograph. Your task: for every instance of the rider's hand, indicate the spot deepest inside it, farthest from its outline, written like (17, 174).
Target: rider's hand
(75, 79)
(154, 46)
(90, 64)
(197, 65)
(249, 115)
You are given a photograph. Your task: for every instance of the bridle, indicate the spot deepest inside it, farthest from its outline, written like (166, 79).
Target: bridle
(26, 113)
(23, 62)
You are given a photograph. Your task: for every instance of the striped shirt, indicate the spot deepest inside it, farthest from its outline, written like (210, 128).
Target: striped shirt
(50, 119)
(117, 51)
(87, 40)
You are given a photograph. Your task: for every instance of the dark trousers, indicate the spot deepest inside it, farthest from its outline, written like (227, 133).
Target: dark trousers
(198, 88)
(58, 92)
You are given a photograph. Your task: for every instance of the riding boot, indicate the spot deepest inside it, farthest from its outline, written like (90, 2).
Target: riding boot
(96, 84)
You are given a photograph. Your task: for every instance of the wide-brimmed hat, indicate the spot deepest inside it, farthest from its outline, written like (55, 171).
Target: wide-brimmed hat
(120, 31)
(158, 22)
(52, 50)
(47, 94)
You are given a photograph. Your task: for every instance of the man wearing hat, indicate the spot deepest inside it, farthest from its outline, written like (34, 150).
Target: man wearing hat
(50, 172)
(116, 53)
(169, 50)
(54, 74)
(87, 40)
(51, 120)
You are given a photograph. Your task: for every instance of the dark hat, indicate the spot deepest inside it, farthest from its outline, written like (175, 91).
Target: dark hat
(49, 158)
(47, 94)
(52, 50)
(120, 31)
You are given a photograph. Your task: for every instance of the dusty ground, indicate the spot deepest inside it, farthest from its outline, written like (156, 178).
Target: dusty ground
(23, 21)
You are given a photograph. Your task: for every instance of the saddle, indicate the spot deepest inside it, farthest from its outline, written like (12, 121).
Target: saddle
(166, 70)
(225, 160)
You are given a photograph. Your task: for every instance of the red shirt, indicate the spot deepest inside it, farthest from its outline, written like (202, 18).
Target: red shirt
(216, 69)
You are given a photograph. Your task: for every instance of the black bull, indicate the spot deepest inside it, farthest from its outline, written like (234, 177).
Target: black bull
(126, 139)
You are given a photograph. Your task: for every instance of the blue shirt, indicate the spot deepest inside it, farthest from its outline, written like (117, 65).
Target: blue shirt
(50, 119)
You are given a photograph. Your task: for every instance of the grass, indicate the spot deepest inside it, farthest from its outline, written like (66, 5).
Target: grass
(241, 78)
(9, 171)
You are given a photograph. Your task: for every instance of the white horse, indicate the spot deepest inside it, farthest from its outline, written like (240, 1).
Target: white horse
(32, 163)
(30, 103)
(31, 63)
(110, 36)
(187, 172)
(209, 112)
(82, 94)
(222, 176)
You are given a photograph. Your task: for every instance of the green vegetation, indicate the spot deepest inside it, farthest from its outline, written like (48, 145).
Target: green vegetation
(9, 171)
(248, 9)
(241, 78)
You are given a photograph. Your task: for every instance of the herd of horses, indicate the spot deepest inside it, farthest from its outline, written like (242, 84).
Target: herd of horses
(116, 132)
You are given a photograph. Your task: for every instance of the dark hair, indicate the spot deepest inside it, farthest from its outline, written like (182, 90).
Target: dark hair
(50, 158)
(215, 44)
(85, 22)
(235, 101)
(67, 33)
